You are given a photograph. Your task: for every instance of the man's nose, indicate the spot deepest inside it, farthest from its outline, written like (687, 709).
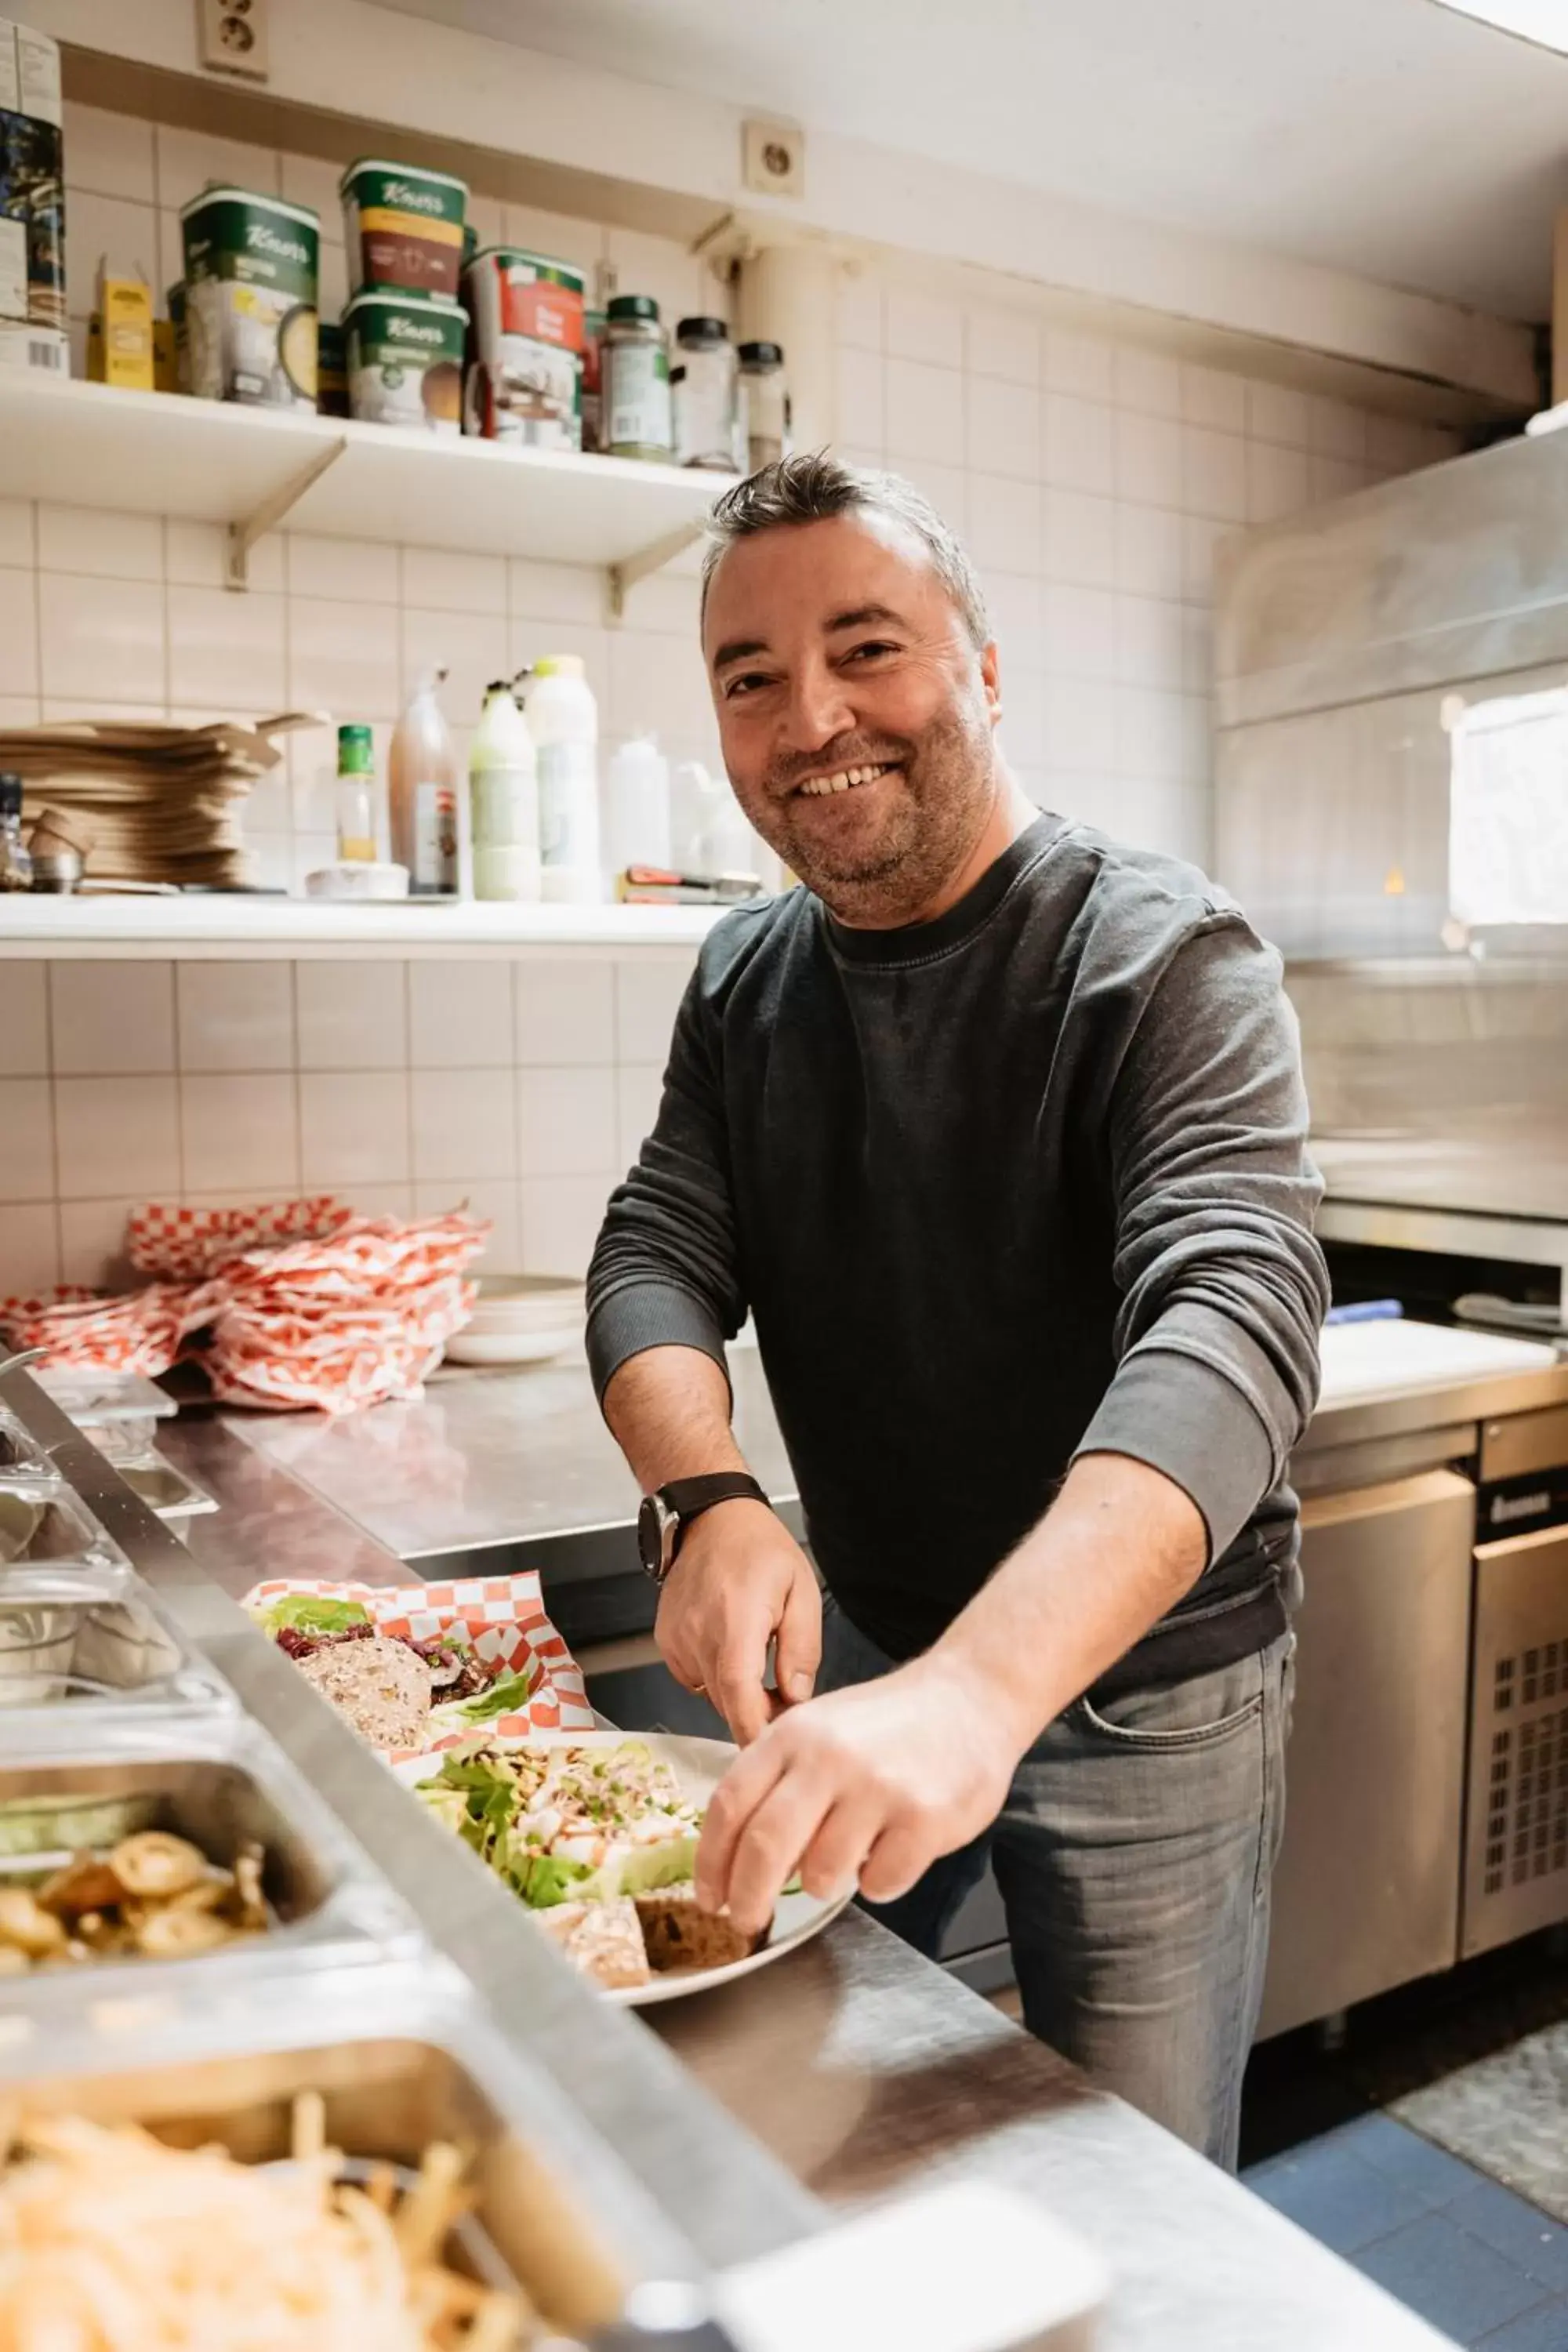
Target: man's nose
(819, 707)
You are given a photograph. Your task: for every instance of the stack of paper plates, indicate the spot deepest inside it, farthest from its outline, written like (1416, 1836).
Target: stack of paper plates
(520, 1318)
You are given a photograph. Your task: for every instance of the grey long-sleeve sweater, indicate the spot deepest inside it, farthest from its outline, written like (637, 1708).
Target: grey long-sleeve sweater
(1027, 1181)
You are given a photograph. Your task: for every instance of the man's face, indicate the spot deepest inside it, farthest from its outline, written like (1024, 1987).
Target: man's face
(856, 714)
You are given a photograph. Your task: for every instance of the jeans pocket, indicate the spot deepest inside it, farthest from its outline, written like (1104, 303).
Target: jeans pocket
(1202, 1712)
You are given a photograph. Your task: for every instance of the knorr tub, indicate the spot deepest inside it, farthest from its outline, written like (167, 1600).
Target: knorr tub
(403, 227)
(405, 358)
(250, 299)
(525, 384)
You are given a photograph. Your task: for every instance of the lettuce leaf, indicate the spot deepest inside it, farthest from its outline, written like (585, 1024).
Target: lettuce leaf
(309, 1613)
(508, 1695)
(545, 1879)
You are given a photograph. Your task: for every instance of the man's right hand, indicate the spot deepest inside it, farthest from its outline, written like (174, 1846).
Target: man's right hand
(740, 1581)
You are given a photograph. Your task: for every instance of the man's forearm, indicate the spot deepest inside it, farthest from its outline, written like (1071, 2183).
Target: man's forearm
(1119, 1546)
(669, 1410)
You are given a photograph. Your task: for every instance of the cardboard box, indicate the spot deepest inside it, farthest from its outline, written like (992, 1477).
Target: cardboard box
(125, 309)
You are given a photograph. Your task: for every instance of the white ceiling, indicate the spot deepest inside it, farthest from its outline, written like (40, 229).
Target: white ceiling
(1391, 137)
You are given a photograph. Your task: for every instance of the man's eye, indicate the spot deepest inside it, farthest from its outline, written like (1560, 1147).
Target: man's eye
(748, 682)
(870, 650)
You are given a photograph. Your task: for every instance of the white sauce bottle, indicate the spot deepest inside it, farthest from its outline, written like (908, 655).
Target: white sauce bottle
(564, 720)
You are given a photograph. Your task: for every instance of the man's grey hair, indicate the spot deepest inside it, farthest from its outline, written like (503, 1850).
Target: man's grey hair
(814, 487)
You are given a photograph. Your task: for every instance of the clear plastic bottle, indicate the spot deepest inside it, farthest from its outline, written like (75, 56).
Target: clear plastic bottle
(564, 720)
(422, 793)
(356, 796)
(637, 807)
(504, 800)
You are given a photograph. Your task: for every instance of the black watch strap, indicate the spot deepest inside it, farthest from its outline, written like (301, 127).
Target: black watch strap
(666, 1515)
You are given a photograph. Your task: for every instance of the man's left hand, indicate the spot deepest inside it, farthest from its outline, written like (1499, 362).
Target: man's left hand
(865, 1786)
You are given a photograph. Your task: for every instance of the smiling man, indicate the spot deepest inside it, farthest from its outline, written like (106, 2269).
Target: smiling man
(997, 1128)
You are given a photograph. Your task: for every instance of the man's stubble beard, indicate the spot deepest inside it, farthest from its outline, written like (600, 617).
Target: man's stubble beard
(936, 815)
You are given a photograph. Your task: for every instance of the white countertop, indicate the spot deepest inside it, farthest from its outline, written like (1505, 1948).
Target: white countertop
(217, 924)
(1367, 1360)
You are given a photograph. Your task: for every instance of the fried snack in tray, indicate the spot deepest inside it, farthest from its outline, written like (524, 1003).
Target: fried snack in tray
(153, 1897)
(110, 2239)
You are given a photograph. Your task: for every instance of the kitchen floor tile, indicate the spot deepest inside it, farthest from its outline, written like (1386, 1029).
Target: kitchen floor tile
(1544, 2329)
(1516, 2229)
(1449, 2277)
(1327, 2192)
(1427, 2172)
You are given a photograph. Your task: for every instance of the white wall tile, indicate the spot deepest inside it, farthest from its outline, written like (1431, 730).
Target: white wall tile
(1277, 481)
(1148, 380)
(1149, 557)
(235, 1017)
(1202, 537)
(1084, 365)
(1148, 459)
(1080, 438)
(108, 154)
(312, 180)
(1213, 396)
(459, 1016)
(1334, 477)
(97, 642)
(270, 860)
(110, 1019)
(1079, 730)
(857, 308)
(26, 1140)
(1080, 537)
(566, 1122)
(570, 592)
(946, 488)
(924, 411)
(446, 581)
(659, 267)
(333, 281)
(1013, 606)
(352, 1016)
(656, 682)
(565, 1013)
(18, 542)
(490, 1198)
(1197, 648)
(858, 411)
(472, 648)
(1215, 474)
(639, 1086)
(239, 1130)
(923, 326)
(92, 1244)
(561, 1220)
(1004, 428)
(529, 638)
(1276, 413)
(648, 997)
(1022, 703)
(190, 161)
(1149, 642)
(101, 542)
(1003, 342)
(19, 634)
(29, 1250)
(1151, 738)
(1004, 523)
(1394, 443)
(353, 1126)
(464, 1123)
(1337, 429)
(1079, 632)
(308, 853)
(345, 659)
(1197, 738)
(559, 236)
(24, 1020)
(226, 650)
(117, 1136)
(348, 570)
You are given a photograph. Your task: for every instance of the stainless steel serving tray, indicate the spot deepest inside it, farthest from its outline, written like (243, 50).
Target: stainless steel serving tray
(66, 1666)
(167, 1492)
(53, 1550)
(401, 2058)
(23, 1461)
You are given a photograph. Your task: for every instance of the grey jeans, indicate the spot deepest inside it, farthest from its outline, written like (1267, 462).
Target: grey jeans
(1133, 1857)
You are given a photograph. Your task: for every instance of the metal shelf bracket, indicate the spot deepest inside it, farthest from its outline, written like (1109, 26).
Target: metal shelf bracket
(243, 536)
(648, 561)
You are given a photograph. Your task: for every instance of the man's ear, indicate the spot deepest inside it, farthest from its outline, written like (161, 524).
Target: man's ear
(991, 678)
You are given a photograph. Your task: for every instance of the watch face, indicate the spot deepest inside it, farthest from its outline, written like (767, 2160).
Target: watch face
(656, 1528)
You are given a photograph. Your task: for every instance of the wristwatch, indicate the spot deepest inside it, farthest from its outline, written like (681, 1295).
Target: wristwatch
(664, 1516)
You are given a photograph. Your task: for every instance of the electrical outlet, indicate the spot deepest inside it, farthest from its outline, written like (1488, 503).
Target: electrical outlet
(232, 36)
(773, 159)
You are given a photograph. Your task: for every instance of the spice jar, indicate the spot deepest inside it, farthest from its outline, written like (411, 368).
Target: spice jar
(705, 389)
(635, 368)
(765, 405)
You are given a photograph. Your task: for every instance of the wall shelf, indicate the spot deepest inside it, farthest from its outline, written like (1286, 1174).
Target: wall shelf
(251, 469)
(227, 926)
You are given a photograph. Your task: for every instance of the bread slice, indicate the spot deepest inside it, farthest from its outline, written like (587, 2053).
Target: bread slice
(604, 1940)
(678, 1934)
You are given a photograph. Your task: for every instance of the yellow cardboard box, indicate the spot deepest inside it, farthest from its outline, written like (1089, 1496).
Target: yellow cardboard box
(125, 309)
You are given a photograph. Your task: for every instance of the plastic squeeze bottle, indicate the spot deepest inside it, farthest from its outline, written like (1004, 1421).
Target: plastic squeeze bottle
(504, 800)
(422, 792)
(637, 807)
(564, 720)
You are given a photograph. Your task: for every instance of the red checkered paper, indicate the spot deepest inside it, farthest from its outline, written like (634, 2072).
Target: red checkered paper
(505, 1621)
(143, 1332)
(179, 1245)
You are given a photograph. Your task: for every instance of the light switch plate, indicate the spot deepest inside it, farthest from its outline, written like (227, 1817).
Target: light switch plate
(232, 37)
(773, 159)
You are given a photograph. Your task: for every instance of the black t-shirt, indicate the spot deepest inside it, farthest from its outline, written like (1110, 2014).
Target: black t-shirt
(1025, 1181)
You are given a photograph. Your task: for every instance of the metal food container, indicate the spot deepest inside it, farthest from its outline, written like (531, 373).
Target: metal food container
(399, 2062)
(104, 1396)
(125, 1437)
(52, 1550)
(23, 1461)
(94, 1655)
(176, 1499)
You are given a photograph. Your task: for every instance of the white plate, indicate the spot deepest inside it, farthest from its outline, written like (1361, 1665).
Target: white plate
(472, 1346)
(699, 1766)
